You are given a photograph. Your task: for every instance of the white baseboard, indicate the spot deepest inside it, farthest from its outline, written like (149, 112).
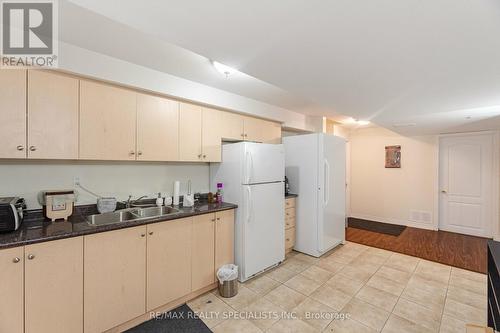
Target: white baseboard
(394, 221)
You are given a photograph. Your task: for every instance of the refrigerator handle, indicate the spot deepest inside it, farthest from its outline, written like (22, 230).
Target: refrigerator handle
(326, 187)
(249, 161)
(250, 204)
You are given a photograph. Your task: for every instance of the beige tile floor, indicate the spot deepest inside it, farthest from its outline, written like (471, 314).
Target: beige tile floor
(355, 288)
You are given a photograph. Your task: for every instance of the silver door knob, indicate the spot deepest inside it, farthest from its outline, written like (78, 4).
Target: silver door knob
(16, 260)
(20, 148)
(31, 256)
(32, 148)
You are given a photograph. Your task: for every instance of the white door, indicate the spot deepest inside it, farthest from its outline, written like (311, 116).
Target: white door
(331, 194)
(263, 221)
(467, 177)
(264, 163)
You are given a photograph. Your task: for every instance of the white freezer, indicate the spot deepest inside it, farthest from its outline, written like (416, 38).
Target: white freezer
(315, 167)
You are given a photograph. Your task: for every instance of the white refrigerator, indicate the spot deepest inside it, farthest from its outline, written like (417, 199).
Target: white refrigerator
(253, 175)
(315, 165)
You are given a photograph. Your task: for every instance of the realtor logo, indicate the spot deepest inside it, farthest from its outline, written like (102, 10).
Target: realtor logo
(29, 33)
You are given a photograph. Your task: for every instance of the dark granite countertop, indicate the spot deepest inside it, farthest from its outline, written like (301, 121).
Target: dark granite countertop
(291, 195)
(36, 228)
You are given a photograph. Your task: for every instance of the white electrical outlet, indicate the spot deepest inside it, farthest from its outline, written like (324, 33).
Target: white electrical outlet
(76, 181)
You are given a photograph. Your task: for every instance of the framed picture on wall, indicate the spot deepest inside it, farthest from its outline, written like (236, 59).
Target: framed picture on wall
(393, 156)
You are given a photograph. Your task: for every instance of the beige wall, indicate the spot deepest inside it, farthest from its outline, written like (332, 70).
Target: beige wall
(120, 179)
(389, 195)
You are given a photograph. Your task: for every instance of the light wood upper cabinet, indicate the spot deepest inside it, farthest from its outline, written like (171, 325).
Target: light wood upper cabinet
(168, 261)
(54, 286)
(203, 254)
(232, 126)
(107, 122)
(190, 122)
(259, 130)
(52, 115)
(224, 238)
(13, 111)
(211, 135)
(114, 278)
(12, 289)
(157, 128)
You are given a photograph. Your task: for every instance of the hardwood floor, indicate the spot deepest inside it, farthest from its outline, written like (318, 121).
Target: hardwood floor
(468, 252)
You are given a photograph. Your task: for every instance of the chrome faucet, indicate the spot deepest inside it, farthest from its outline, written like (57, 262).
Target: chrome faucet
(130, 202)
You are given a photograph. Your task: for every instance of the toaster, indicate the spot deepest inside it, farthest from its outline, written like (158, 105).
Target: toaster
(11, 213)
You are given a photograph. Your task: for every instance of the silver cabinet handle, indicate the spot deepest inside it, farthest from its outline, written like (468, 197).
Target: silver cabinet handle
(218, 219)
(132, 153)
(199, 156)
(143, 235)
(444, 191)
(20, 148)
(242, 135)
(31, 256)
(204, 156)
(16, 260)
(150, 233)
(139, 153)
(32, 148)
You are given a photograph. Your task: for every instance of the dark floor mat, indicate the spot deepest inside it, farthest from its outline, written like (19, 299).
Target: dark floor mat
(384, 228)
(180, 320)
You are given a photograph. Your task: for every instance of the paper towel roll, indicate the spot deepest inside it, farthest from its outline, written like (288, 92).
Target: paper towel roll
(177, 187)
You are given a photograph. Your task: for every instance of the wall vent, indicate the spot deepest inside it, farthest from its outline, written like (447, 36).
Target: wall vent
(420, 216)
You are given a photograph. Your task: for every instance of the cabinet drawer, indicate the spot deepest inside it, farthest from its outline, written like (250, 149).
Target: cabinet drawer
(289, 238)
(289, 212)
(290, 222)
(290, 202)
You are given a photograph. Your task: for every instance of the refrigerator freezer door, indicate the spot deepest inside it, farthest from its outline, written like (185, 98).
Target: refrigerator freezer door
(263, 227)
(263, 163)
(331, 194)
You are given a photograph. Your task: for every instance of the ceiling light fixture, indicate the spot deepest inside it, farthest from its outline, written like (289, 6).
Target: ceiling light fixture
(223, 69)
(353, 121)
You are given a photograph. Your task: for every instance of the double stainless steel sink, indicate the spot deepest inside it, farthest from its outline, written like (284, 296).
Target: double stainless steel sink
(130, 214)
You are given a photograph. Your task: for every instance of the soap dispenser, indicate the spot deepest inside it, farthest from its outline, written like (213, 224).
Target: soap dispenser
(159, 200)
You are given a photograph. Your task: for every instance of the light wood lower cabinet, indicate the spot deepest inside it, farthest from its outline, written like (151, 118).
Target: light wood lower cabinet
(224, 238)
(54, 286)
(203, 246)
(114, 278)
(13, 112)
(168, 261)
(52, 115)
(12, 290)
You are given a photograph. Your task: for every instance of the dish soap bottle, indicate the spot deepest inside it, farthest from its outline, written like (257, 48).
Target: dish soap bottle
(159, 200)
(219, 193)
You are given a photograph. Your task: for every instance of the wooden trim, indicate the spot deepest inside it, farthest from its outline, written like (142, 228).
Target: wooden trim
(164, 308)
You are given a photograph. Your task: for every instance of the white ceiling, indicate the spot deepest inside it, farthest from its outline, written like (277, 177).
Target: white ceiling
(427, 66)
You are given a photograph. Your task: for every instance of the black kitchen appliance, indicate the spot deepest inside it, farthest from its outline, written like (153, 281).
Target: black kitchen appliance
(11, 213)
(287, 186)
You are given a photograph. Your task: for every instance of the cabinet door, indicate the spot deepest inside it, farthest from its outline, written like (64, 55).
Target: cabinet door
(107, 122)
(224, 238)
(271, 132)
(203, 256)
(168, 261)
(54, 286)
(253, 129)
(12, 290)
(157, 128)
(232, 126)
(114, 278)
(211, 135)
(13, 106)
(52, 115)
(190, 120)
